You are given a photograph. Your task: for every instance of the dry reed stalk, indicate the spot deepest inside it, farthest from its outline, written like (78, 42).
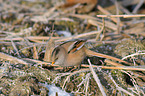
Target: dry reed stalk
(134, 68)
(124, 16)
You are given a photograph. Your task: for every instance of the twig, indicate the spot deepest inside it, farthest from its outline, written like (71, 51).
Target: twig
(13, 59)
(31, 37)
(78, 36)
(35, 52)
(133, 81)
(49, 48)
(138, 6)
(124, 16)
(62, 74)
(103, 30)
(118, 19)
(95, 21)
(120, 88)
(38, 62)
(92, 53)
(103, 27)
(112, 63)
(75, 72)
(15, 48)
(108, 24)
(129, 2)
(108, 13)
(87, 84)
(133, 55)
(97, 79)
(124, 9)
(118, 67)
(82, 16)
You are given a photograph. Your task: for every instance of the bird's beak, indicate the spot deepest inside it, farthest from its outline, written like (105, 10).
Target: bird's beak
(53, 63)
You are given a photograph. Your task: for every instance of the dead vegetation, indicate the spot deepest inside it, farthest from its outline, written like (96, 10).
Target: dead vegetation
(115, 28)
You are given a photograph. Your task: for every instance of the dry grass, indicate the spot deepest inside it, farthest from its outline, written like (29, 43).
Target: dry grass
(26, 28)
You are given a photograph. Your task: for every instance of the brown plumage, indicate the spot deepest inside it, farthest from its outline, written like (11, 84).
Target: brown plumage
(65, 54)
(72, 53)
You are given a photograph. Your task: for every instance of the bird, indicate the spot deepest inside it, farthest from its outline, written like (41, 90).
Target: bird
(73, 52)
(70, 53)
